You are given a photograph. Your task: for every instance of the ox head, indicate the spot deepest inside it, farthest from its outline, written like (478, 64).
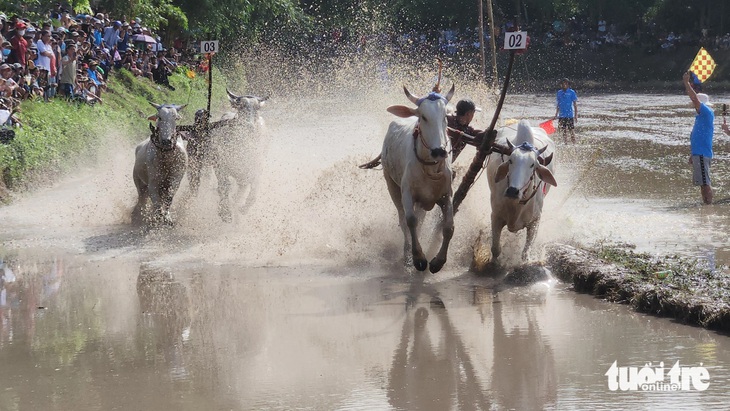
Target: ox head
(166, 118)
(247, 107)
(431, 113)
(523, 163)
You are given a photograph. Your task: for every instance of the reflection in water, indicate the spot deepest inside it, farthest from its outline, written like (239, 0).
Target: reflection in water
(523, 371)
(431, 366)
(166, 316)
(147, 337)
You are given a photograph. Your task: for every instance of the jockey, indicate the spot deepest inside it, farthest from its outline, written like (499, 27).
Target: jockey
(460, 132)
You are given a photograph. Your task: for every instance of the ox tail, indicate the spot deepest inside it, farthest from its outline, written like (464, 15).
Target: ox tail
(371, 164)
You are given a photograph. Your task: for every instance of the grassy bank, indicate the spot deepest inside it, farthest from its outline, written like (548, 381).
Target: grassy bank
(56, 134)
(669, 286)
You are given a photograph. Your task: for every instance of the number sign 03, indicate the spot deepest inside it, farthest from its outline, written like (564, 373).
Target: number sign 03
(515, 40)
(209, 46)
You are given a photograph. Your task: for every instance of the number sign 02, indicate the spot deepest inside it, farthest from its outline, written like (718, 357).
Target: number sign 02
(209, 46)
(515, 40)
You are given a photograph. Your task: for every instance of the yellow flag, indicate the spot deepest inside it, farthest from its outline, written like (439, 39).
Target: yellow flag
(703, 65)
(190, 74)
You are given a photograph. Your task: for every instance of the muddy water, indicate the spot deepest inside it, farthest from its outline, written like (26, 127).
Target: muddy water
(301, 302)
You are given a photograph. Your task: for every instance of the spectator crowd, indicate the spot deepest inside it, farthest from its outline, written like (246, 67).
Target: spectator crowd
(72, 57)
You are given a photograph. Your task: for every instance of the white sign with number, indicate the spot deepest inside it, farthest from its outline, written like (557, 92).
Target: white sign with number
(515, 40)
(210, 46)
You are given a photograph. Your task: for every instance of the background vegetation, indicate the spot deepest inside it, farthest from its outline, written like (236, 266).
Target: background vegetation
(237, 21)
(58, 134)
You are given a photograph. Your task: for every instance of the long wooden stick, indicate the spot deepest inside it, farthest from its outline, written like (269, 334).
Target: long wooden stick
(486, 148)
(493, 43)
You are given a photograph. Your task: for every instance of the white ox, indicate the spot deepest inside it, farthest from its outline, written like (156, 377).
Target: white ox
(417, 168)
(160, 164)
(237, 152)
(519, 179)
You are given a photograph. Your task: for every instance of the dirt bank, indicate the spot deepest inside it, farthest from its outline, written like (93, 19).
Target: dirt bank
(690, 295)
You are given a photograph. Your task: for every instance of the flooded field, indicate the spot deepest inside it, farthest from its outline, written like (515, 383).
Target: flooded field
(303, 302)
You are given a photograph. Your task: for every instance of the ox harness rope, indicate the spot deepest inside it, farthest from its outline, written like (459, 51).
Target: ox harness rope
(432, 96)
(418, 136)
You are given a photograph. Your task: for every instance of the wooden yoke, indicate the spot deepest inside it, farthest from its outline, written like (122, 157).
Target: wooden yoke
(486, 147)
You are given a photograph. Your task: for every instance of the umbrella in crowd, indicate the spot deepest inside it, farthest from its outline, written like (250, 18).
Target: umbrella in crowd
(143, 38)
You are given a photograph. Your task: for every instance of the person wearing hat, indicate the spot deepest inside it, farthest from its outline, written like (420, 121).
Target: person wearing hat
(8, 86)
(67, 80)
(566, 110)
(92, 72)
(460, 132)
(5, 49)
(700, 140)
(125, 38)
(19, 43)
(3, 23)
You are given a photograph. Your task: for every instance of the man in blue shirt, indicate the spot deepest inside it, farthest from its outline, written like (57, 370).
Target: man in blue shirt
(701, 139)
(567, 109)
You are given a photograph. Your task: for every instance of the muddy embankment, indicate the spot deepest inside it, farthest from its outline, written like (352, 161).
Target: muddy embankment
(682, 292)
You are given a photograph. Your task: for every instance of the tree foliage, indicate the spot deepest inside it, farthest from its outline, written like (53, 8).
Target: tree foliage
(235, 20)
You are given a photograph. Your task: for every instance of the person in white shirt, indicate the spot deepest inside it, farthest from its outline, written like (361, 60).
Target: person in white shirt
(45, 51)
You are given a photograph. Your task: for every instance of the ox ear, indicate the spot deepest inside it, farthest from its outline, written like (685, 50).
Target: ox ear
(402, 111)
(501, 172)
(546, 175)
(450, 93)
(545, 161)
(152, 117)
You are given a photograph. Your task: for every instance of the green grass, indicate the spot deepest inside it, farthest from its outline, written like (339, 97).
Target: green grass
(55, 134)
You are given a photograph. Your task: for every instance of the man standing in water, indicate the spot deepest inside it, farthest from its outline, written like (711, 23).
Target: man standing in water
(701, 139)
(567, 109)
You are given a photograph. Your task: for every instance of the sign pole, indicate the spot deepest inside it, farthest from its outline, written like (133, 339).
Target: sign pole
(481, 40)
(209, 47)
(210, 81)
(493, 43)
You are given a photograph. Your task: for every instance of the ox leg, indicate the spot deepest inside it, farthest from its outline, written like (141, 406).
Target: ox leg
(419, 259)
(448, 231)
(395, 195)
(156, 200)
(497, 226)
(531, 233)
(166, 203)
(194, 169)
(142, 194)
(224, 188)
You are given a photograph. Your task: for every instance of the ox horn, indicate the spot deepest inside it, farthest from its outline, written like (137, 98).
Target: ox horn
(450, 93)
(542, 150)
(231, 95)
(510, 145)
(410, 96)
(262, 99)
(437, 87)
(156, 106)
(179, 107)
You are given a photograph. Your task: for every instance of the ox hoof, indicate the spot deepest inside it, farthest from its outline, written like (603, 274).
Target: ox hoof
(420, 264)
(436, 265)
